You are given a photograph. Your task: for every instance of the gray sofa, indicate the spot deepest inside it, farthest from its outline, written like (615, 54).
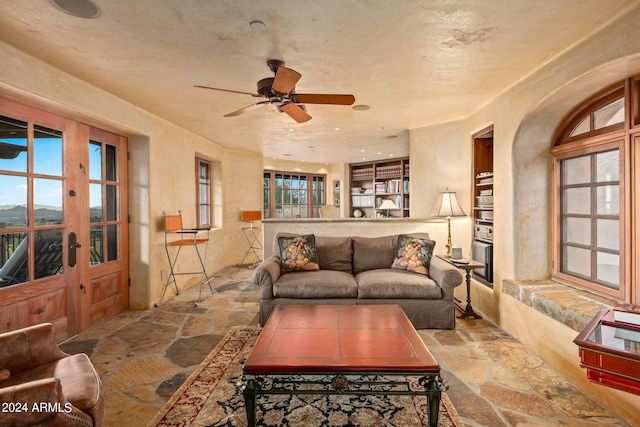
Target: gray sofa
(356, 270)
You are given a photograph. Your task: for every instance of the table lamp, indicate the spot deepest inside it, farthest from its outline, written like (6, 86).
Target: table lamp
(388, 204)
(447, 207)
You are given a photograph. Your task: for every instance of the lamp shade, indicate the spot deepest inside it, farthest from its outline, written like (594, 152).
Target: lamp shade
(447, 205)
(388, 204)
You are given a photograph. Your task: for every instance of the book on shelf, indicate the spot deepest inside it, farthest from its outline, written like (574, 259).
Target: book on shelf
(609, 320)
(387, 171)
(628, 313)
(362, 200)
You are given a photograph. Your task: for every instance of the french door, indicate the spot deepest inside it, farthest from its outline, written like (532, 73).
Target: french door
(63, 221)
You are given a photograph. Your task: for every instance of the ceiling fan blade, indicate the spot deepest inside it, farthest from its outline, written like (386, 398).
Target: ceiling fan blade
(296, 113)
(303, 98)
(245, 109)
(228, 90)
(285, 80)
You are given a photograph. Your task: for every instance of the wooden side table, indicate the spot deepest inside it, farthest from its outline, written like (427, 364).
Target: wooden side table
(467, 267)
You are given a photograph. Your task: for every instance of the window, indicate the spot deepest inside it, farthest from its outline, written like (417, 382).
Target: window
(203, 192)
(592, 246)
(293, 195)
(590, 217)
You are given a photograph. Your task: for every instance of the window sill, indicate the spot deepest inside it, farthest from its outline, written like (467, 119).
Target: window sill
(570, 306)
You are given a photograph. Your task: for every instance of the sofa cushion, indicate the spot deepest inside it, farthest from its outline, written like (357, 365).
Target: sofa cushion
(298, 253)
(334, 253)
(396, 284)
(413, 254)
(371, 253)
(316, 284)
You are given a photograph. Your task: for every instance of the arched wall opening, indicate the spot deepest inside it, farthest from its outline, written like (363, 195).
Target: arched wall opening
(532, 172)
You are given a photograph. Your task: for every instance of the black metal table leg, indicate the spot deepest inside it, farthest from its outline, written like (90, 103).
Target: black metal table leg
(249, 393)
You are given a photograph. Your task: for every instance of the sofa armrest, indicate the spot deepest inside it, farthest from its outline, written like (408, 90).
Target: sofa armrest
(28, 348)
(265, 275)
(445, 275)
(40, 402)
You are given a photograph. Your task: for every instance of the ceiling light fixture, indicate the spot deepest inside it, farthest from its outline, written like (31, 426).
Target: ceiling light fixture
(257, 25)
(78, 8)
(361, 107)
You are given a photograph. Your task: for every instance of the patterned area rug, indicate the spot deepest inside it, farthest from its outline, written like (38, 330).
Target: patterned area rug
(211, 397)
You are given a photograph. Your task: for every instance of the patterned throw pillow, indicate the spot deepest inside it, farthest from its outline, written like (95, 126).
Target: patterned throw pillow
(298, 253)
(413, 254)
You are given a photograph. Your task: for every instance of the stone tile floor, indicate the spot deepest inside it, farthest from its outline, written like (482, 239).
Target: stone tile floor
(143, 356)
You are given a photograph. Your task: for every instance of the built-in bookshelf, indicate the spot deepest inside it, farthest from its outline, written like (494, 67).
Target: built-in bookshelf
(482, 247)
(372, 183)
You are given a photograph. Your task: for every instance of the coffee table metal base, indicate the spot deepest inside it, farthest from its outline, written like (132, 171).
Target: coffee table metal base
(365, 384)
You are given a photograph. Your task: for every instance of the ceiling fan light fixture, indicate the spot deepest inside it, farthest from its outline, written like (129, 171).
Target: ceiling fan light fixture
(78, 8)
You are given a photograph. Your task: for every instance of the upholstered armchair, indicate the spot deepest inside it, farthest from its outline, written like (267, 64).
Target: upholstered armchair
(46, 386)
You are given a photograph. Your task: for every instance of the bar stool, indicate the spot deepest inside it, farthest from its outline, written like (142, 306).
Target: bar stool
(187, 237)
(252, 233)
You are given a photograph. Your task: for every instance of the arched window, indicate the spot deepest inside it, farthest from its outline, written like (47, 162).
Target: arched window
(594, 233)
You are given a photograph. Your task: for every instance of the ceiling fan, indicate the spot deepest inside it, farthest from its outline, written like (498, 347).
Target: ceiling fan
(280, 91)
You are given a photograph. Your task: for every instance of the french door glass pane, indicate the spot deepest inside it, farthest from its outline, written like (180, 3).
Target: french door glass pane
(96, 248)
(95, 200)
(47, 199)
(47, 151)
(13, 201)
(95, 160)
(14, 255)
(112, 202)
(111, 163)
(48, 253)
(13, 145)
(112, 242)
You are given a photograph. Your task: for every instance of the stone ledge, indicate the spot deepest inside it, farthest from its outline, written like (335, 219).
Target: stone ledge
(570, 306)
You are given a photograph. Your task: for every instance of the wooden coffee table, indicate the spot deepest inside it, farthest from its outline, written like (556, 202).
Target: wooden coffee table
(338, 342)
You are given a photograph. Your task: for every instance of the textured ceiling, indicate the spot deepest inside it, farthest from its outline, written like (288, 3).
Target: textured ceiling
(413, 62)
